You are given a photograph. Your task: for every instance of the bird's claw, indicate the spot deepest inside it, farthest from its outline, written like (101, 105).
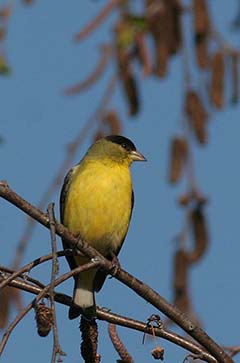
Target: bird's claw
(115, 264)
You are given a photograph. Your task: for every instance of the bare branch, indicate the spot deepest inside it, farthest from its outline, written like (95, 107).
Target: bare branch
(143, 290)
(106, 52)
(126, 322)
(28, 267)
(97, 21)
(40, 295)
(57, 350)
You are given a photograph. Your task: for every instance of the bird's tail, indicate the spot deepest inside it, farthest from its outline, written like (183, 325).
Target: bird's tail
(83, 296)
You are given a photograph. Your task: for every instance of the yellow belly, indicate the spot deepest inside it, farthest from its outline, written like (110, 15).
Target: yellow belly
(98, 204)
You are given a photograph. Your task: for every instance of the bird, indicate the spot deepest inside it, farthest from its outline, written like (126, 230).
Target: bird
(96, 204)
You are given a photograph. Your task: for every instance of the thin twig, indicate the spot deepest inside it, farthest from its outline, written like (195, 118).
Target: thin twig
(143, 290)
(106, 52)
(28, 267)
(40, 295)
(232, 350)
(89, 28)
(126, 322)
(21, 275)
(57, 350)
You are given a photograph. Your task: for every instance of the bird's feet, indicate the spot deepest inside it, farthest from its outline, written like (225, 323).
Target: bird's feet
(115, 264)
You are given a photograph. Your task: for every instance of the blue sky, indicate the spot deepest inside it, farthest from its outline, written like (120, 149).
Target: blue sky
(37, 122)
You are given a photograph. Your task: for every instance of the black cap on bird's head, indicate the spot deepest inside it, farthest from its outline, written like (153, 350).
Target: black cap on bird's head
(127, 145)
(116, 148)
(123, 141)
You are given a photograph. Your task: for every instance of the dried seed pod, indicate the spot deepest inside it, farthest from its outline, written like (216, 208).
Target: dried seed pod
(2, 34)
(197, 115)
(131, 91)
(128, 81)
(181, 264)
(44, 319)
(157, 23)
(180, 280)
(161, 59)
(175, 31)
(201, 48)
(5, 299)
(200, 233)
(235, 76)
(201, 17)
(112, 120)
(158, 353)
(201, 30)
(89, 330)
(5, 12)
(178, 157)
(118, 344)
(217, 80)
(164, 25)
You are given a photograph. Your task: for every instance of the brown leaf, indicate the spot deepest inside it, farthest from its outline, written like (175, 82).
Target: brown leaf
(217, 80)
(201, 17)
(5, 12)
(201, 48)
(197, 115)
(128, 81)
(2, 34)
(180, 281)
(164, 25)
(200, 233)
(201, 30)
(181, 264)
(178, 157)
(235, 77)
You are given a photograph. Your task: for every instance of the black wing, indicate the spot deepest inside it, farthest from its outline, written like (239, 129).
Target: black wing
(63, 196)
(101, 274)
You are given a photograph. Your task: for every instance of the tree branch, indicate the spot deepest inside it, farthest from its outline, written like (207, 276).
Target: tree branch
(40, 295)
(138, 286)
(57, 350)
(97, 20)
(126, 322)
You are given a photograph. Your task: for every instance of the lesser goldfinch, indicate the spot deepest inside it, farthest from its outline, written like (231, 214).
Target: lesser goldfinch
(96, 203)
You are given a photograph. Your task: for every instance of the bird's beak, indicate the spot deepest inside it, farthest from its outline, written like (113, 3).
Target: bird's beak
(137, 156)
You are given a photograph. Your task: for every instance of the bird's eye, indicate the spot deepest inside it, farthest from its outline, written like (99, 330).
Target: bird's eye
(125, 146)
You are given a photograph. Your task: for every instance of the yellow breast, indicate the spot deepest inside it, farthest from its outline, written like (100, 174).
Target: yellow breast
(98, 204)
